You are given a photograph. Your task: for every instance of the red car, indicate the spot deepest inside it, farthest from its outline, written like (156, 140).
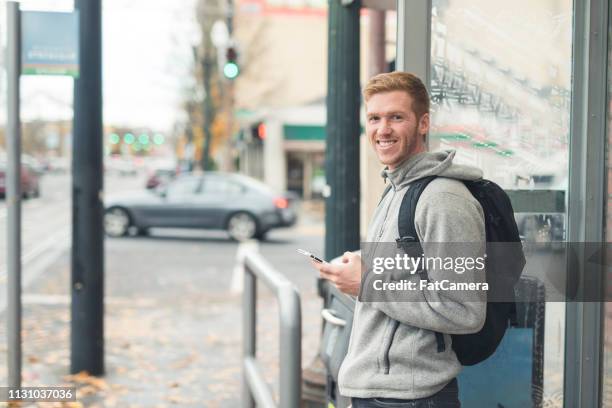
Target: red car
(30, 185)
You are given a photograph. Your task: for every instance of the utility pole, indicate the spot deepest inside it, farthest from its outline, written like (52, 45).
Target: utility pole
(87, 310)
(13, 195)
(208, 10)
(376, 60)
(229, 95)
(209, 109)
(343, 130)
(372, 183)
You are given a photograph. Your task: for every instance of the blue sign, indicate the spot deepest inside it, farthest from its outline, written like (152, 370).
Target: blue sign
(50, 43)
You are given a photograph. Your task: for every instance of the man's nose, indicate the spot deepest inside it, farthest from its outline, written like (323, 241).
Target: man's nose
(384, 128)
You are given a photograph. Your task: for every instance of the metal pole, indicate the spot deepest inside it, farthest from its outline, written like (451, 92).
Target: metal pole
(343, 130)
(290, 383)
(249, 305)
(229, 163)
(376, 59)
(414, 38)
(87, 325)
(209, 112)
(13, 195)
(587, 196)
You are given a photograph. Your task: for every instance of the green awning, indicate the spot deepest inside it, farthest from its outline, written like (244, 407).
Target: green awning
(304, 132)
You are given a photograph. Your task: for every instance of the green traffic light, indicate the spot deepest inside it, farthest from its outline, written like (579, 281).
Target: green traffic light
(158, 139)
(143, 139)
(113, 138)
(129, 138)
(231, 70)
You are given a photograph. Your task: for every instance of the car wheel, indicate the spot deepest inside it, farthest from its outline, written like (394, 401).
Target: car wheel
(242, 226)
(116, 222)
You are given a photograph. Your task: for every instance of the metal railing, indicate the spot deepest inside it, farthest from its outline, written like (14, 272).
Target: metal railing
(254, 388)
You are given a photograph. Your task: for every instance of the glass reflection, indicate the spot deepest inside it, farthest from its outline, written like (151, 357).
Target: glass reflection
(500, 83)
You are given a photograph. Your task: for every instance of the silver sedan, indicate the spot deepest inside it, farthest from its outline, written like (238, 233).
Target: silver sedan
(243, 206)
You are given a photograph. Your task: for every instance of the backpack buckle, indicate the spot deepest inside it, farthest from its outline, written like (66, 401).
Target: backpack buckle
(404, 242)
(410, 245)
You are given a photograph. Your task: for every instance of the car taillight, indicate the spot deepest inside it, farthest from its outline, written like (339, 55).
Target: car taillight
(281, 202)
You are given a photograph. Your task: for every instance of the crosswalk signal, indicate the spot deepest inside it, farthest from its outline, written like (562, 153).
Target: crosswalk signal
(231, 69)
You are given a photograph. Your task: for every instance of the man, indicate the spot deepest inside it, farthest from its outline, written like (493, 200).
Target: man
(394, 357)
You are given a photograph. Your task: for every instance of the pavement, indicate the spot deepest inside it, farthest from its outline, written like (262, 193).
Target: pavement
(172, 322)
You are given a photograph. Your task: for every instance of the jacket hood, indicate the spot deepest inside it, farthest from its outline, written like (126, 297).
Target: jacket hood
(430, 164)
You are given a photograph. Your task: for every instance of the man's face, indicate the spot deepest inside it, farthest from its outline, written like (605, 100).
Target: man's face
(393, 129)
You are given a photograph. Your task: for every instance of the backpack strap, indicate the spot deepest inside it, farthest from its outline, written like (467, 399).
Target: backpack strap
(408, 237)
(405, 222)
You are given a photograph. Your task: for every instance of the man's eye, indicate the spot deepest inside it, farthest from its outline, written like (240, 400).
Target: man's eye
(396, 117)
(373, 118)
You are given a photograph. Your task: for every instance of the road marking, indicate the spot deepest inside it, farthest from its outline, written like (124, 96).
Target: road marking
(59, 240)
(49, 299)
(34, 265)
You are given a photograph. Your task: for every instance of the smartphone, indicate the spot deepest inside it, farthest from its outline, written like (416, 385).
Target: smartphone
(312, 256)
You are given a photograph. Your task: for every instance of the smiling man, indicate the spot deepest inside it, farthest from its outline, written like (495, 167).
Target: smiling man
(399, 353)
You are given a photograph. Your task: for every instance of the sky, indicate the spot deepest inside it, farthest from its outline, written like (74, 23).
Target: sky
(147, 58)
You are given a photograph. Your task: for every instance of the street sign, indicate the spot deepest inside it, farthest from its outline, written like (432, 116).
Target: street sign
(50, 43)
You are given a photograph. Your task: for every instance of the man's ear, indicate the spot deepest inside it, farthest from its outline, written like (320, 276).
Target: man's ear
(424, 124)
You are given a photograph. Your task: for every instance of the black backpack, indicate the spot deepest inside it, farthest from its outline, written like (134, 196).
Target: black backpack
(501, 275)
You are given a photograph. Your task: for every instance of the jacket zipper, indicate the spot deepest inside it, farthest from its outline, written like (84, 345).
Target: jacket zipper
(384, 221)
(387, 346)
(394, 323)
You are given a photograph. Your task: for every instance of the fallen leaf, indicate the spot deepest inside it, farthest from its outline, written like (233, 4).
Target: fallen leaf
(121, 370)
(83, 377)
(86, 390)
(33, 360)
(175, 399)
(184, 362)
(78, 377)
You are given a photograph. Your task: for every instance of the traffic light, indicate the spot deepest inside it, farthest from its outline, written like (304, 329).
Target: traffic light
(231, 69)
(258, 132)
(129, 138)
(143, 139)
(158, 139)
(114, 138)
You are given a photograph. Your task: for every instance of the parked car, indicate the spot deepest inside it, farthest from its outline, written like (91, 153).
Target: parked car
(243, 206)
(120, 166)
(546, 227)
(30, 183)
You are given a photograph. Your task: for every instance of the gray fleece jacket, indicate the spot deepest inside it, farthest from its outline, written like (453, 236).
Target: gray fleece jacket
(385, 359)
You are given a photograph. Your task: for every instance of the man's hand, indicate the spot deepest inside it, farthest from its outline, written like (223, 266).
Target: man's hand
(346, 276)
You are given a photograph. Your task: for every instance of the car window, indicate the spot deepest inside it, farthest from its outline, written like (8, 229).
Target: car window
(214, 185)
(186, 186)
(253, 184)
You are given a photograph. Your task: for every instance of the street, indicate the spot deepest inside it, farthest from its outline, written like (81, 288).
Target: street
(173, 307)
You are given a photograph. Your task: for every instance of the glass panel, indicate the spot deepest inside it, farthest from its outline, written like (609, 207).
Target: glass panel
(500, 85)
(607, 327)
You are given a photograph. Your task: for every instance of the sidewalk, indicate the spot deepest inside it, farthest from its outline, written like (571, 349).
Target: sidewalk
(172, 333)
